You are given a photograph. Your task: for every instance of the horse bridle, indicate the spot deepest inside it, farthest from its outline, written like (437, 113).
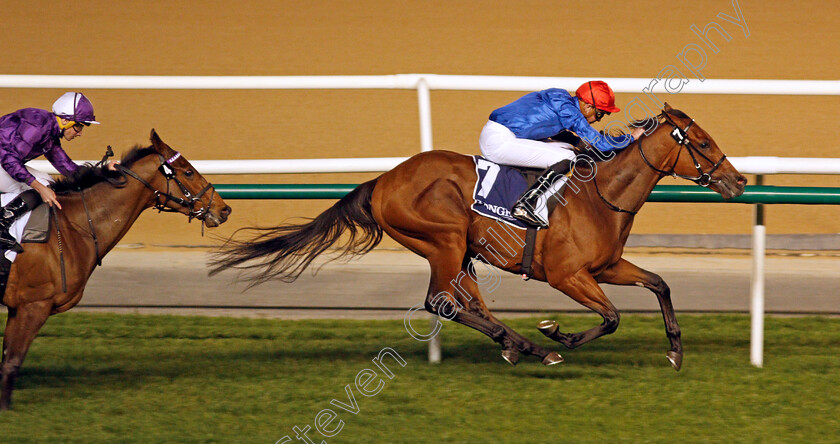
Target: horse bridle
(168, 172)
(188, 201)
(680, 135)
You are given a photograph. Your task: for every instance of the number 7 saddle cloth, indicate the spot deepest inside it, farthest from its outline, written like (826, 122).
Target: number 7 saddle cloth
(498, 187)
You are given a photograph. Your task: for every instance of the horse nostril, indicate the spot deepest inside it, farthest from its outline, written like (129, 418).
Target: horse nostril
(223, 215)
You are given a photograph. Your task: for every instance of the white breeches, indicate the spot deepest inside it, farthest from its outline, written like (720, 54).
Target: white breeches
(9, 185)
(500, 145)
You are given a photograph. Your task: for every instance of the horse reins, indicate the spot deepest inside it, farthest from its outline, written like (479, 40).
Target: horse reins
(609, 204)
(92, 230)
(61, 244)
(680, 135)
(168, 172)
(188, 201)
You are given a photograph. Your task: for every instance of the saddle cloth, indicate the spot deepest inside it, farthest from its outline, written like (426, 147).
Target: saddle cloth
(497, 189)
(34, 226)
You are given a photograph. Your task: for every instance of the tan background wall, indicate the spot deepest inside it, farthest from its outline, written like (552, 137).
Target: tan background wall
(787, 40)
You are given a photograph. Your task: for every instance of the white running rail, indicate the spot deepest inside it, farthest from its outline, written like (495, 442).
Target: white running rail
(424, 83)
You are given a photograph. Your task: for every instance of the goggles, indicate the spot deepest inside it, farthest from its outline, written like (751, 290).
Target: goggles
(599, 114)
(80, 126)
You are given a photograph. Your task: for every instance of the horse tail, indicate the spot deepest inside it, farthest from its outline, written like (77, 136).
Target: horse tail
(284, 252)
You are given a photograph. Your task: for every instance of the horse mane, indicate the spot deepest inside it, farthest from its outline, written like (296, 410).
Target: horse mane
(89, 175)
(651, 121)
(647, 123)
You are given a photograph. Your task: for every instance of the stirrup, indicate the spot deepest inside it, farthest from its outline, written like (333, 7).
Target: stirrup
(523, 212)
(13, 245)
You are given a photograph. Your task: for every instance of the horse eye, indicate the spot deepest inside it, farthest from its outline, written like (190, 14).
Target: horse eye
(188, 173)
(704, 145)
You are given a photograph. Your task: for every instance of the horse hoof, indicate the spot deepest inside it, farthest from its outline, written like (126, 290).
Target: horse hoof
(552, 358)
(511, 356)
(675, 359)
(548, 327)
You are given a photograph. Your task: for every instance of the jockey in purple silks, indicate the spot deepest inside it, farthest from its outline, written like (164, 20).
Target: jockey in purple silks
(26, 134)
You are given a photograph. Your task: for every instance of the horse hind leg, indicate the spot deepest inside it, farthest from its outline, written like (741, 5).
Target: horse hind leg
(582, 288)
(520, 343)
(455, 295)
(435, 227)
(626, 273)
(21, 327)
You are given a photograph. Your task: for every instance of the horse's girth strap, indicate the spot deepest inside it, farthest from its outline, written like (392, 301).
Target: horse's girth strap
(528, 252)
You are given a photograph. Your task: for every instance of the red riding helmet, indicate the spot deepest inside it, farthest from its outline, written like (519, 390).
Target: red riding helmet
(599, 94)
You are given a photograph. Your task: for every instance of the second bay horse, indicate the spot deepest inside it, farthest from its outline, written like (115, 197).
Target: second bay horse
(98, 208)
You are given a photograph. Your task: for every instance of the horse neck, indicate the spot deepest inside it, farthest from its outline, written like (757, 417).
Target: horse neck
(627, 180)
(112, 212)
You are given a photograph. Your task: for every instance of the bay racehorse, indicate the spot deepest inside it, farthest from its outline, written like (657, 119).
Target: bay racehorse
(424, 204)
(98, 208)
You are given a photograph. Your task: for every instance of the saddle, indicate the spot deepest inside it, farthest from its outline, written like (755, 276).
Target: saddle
(497, 189)
(38, 226)
(37, 230)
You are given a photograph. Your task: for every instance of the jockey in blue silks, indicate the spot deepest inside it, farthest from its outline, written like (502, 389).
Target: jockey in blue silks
(26, 134)
(516, 135)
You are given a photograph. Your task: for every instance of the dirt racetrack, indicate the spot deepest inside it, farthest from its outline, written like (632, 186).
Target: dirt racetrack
(774, 40)
(385, 284)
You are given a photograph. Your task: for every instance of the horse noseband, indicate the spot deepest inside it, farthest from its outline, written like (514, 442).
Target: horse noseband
(680, 135)
(188, 201)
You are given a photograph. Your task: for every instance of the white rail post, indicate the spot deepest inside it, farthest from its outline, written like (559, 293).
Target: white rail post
(434, 343)
(757, 286)
(424, 104)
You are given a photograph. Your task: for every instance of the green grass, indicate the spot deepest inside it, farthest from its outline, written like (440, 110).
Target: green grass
(165, 379)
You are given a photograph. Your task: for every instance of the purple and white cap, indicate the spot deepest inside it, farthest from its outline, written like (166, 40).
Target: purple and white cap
(76, 107)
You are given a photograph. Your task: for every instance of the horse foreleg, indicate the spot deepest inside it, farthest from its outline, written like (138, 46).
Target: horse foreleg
(21, 327)
(582, 288)
(626, 273)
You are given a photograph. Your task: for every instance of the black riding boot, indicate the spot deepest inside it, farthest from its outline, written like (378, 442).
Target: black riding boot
(527, 208)
(24, 202)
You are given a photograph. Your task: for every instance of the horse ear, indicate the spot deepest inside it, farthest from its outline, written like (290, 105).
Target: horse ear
(667, 107)
(157, 143)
